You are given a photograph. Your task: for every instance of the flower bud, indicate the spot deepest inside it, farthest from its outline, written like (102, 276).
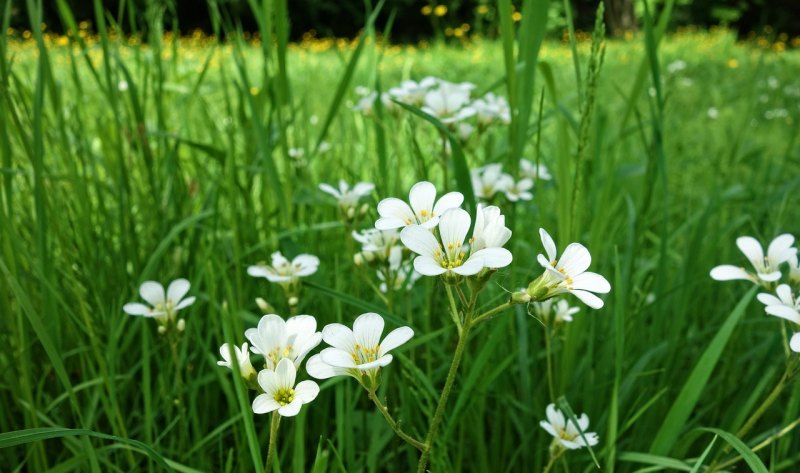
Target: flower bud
(264, 306)
(293, 301)
(351, 212)
(364, 209)
(358, 259)
(369, 256)
(181, 326)
(162, 330)
(521, 297)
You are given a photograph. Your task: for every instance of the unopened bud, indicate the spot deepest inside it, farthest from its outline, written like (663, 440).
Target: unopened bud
(181, 326)
(162, 330)
(364, 209)
(521, 297)
(264, 306)
(293, 301)
(369, 256)
(358, 259)
(351, 212)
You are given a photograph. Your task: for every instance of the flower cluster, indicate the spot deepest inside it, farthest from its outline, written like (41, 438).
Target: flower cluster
(783, 299)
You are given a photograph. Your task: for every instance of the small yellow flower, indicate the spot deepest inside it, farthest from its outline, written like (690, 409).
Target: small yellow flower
(732, 63)
(253, 90)
(483, 9)
(427, 10)
(440, 10)
(516, 16)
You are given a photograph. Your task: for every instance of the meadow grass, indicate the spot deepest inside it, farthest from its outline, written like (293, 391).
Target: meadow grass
(125, 161)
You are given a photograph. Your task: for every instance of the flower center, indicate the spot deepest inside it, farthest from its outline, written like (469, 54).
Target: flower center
(284, 396)
(362, 355)
(281, 352)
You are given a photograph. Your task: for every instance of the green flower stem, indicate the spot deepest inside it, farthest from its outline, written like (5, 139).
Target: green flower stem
(453, 309)
(273, 440)
(549, 355)
(554, 456)
(394, 424)
(763, 444)
(448, 385)
(489, 313)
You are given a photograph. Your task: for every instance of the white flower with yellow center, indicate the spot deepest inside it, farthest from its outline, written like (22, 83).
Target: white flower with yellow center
(346, 196)
(359, 352)
(565, 432)
(568, 274)
(780, 250)
(280, 392)
(451, 254)
(401, 273)
(424, 210)
(489, 180)
(449, 102)
(534, 171)
(558, 311)
(377, 243)
(492, 108)
(163, 305)
(519, 190)
(785, 306)
(277, 339)
(242, 359)
(284, 271)
(411, 92)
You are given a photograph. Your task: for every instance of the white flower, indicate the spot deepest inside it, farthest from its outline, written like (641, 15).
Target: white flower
(280, 392)
(162, 305)
(534, 171)
(492, 108)
(277, 339)
(242, 359)
(519, 190)
(785, 305)
(346, 196)
(366, 104)
(794, 269)
(284, 271)
(412, 93)
(401, 273)
(489, 180)
(557, 311)
(424, 209)
(122, 85)
(449, 102)
(296, 153)
(568, 274)
(676, 66)
(450, 256)
(358, 352)
(490, 229)
(565, 431)
(464, 131)
(376, 242)
(779, 251)
(713, 113)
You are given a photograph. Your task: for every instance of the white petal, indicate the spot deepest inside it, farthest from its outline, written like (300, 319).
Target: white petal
(472, 266)
(453, 227)
(184, 303)
(794, 343)
(363, 188)
(177, 289)
(421, 197)
(339, 336)
(263, 404)
(751, 249)
(268, 381)
(769, 299)
(549, 244)
(727, 272)
(152, 292)
(555, 417)
(549, 428)
(777, 251)
(420, 241)
(258, 271)
(588, 298)
(544, 262)
(593, 282)
(286, 373)
(575, 259)
(308, 264)
(367, 329)
(306, 391)
(769, 277)
(393, 209)
(784, 312)
(291, 409)
(394, 339)
(784, 293)
(428, 266)
(321, 370)
(380, 362)
(451, 200)
(337, 358)
(494, 257)
(304, 325)
(330, 190)
(135, 308)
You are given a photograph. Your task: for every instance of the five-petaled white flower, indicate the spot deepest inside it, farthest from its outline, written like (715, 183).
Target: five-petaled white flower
(564, 430)
(280, 393)
(377, 243)
(285, 271)
(449, 102)
(534, 171)
(163, 305)
(568, 274)
(492, 108)
(346, 196)
(242, 359)
(489, 180)
(555, 311)
(411, 92)
(779, 251)
(424, 209)
(519, 190)
(358, 352)
(277, 339)
(452, 255)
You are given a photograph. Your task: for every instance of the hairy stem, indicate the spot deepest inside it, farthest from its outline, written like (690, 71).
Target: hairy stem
(273, 440)
(394, 424)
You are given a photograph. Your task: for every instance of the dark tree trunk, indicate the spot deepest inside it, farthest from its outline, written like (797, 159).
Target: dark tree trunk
(620, 17)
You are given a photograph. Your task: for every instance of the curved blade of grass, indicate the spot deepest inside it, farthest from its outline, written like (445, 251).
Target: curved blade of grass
(656, 460)
(699, 463)
(21, 437)
(752, 460)
(681, 409)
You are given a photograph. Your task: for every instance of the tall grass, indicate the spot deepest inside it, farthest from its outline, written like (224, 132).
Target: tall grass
(125, 160)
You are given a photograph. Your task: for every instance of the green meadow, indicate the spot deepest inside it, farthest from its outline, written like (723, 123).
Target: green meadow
(156, 157)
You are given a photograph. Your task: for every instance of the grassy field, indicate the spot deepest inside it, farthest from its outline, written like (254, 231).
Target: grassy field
(126, 160)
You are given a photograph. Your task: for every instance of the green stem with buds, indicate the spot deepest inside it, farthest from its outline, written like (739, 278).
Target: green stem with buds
(273, 440)
(393, 423)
